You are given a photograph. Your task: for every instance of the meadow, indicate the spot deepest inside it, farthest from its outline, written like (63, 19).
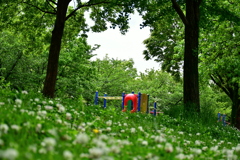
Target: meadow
(36, 128)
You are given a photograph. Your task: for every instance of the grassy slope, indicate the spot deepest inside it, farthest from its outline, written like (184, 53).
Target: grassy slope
(35, 128)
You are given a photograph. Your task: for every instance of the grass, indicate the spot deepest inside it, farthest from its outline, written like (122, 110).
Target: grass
(32, 127)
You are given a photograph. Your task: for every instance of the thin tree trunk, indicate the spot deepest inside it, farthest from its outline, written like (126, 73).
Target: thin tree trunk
(57, 33)
(191, 83)
(235, 115)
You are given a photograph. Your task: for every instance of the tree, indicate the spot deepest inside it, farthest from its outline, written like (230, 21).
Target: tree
(220, 60)
(113, 75)
(158, 10)
(103, 10)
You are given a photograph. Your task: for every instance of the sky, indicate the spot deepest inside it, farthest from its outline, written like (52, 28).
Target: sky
(126, 46)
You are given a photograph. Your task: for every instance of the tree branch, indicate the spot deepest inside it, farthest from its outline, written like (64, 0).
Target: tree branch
(51, 5)
(84, 5)
(39, 8)
(179, 12)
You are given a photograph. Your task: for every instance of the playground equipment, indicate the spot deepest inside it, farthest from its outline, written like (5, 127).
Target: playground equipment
(133, 102)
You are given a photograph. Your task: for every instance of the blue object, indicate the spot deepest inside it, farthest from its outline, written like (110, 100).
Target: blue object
(105, 101)
(219, 116)
(155, 109)
(96, 98)
(224, 119)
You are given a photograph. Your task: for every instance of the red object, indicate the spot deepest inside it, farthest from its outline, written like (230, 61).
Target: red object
(133, 98)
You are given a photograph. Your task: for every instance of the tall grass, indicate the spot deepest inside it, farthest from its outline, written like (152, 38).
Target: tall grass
(32, 127)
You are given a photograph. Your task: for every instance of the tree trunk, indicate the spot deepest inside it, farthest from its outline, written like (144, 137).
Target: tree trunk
(191, 83)
(57, 33)
(235, 115)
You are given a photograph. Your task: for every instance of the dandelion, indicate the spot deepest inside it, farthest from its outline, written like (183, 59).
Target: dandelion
(9, 154)
(96, 131)
(67, 155)
(82, 138)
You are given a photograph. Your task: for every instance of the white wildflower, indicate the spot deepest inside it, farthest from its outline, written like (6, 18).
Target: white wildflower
(2, 103)
(68, 155)
(168, 147)
(115, 149)
(82, 138)
(9, 154)
(68, 116)
(144, 143)
(96, 152)
(36, 99)
(180, 156)
(140, 128)
(198, 134)
(15, 127)
(196, 151)
(133, 130)
(109, 123)
(197, 142)
(159, 139)
(48, 107)
(24, 92)
(108, 129)
(18, 102)
(3, 128)
(49, 143)
(38, 127)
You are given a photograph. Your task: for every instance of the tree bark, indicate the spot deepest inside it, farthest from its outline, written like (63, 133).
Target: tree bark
(57, 33)
(235, 115)
(190, 69)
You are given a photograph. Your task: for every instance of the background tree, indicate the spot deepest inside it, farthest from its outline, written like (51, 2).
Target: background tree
(220, 59)
(113, 75)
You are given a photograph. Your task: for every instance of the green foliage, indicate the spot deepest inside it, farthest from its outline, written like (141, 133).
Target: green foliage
(113, 75)
(161, 87)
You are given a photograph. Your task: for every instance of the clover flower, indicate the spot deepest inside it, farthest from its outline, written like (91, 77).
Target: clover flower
(82, 138)
(3, 128)
(109, 123)
(49, 143)
(9, 154)
(68, 155)
(168, 147)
